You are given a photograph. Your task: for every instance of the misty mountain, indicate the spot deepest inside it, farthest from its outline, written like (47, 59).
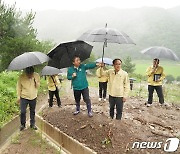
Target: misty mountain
(147, 26)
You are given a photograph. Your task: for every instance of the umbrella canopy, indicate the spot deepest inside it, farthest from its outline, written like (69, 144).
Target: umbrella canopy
(28, 59)
(107, 61)
(160, 52)
(48, 70)
(106, 35)
(63, 54)
(132, 79)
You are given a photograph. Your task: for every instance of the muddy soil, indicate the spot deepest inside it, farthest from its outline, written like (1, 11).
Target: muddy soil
(106, 136)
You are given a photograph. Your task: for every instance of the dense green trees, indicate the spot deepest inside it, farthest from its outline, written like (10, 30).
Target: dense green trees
(128, 66)
(17, 34)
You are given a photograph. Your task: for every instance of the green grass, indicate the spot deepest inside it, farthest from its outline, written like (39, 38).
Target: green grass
(36, 140)
(170, 67)
(8, 106)
(171, 91)
(15, 139)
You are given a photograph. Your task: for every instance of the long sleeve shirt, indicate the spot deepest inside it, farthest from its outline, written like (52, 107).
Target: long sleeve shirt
(102, 78)
(151, 75)
(53, 82)
(118, 83)
(28, 87)
(79, 82)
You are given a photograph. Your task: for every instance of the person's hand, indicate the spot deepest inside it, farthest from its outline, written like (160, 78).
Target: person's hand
(124, 99)
(154, 70)
(35, 83)
(101, 64)
(98, 64)
(74, 75)
(158, 80)
(18, 101)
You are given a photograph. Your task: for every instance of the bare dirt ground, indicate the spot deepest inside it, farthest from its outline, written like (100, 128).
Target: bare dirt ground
(29, 142)
(107, 136)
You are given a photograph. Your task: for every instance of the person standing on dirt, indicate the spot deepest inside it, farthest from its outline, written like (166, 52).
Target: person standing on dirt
(77, 73)
(155, 76)
(27, 89)
(103, 80)
(118, 87)
(53, 87)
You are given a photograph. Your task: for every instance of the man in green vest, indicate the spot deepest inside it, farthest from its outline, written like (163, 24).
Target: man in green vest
(77, 73)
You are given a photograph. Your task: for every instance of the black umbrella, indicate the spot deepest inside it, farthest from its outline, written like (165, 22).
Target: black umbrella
(106, 35)
(160, 52)
(63, 54)
(48, 70)
(28, 59)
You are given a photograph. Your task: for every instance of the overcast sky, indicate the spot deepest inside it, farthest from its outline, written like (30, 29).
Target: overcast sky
(82, 5)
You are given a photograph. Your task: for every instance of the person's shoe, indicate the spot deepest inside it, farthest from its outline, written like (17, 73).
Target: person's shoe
(33, 127)
(22, 127)
(118, 118)
(100, 99)
(163, 104)
(104, 99)
(90, 114)
(76, 112)
(148, 105)
(111, 117)
(59, 105)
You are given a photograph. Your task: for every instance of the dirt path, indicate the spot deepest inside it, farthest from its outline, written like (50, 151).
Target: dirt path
(30, 141)
(139, 123)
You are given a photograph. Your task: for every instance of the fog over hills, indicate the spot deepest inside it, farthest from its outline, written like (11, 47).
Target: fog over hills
(147, 26)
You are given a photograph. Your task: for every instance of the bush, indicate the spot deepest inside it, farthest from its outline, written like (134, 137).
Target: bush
(170, 78)
(178, 78)
(8, 106)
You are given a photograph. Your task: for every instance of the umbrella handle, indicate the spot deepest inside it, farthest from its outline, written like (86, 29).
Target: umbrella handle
(71, 84)
(105, 43)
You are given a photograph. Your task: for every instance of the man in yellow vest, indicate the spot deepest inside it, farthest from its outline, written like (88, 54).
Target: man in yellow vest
(155, 76)
(118, 87)
(27, 89)
(103, 80)
(53, 87)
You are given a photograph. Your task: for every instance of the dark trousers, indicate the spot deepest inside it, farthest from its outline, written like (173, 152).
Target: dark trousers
(159, 93)
(131, 86)
(102, 89)
(51, 95)
(85, 94)
(23, 105)
(118, 102)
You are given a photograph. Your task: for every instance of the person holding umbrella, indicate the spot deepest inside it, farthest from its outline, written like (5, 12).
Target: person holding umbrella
(119, 87)
(27, 89)
(53, 83)
(103, 80)
(77, 73)
(28, 83)
(53, 87)
(155, 76)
